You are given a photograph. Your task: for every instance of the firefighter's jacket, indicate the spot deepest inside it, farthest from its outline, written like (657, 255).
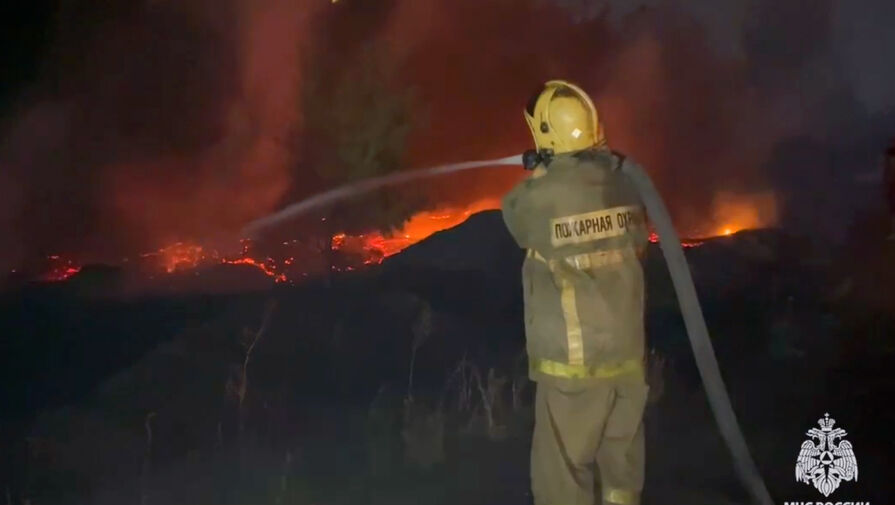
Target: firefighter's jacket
(584, 229)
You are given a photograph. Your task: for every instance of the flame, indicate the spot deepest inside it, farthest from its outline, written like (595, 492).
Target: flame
(735, 212)
(376, 246)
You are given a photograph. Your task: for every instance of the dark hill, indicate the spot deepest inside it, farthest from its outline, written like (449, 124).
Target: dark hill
(481, 243)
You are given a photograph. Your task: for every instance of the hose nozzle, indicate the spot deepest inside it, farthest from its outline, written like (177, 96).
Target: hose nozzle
(532, 158)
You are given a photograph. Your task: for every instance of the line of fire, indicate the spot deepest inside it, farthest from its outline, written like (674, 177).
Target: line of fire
(353, 252)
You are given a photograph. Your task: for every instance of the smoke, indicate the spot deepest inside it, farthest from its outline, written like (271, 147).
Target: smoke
(670, 95)
(156, 122)
(806, 81)
(164, 120)
(707, 94)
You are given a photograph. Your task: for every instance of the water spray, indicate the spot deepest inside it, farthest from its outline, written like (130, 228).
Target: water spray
(697, 331)
(365, 186)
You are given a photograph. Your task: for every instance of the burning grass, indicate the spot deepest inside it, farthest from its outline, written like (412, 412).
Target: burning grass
(296, 260)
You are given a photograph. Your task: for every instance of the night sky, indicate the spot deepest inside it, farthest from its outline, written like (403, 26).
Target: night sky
(26, 34)
(129, 125)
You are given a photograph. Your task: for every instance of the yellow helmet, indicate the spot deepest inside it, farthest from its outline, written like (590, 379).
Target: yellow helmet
(563, 119)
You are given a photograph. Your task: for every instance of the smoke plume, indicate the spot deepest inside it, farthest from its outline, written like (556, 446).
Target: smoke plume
(161, 120)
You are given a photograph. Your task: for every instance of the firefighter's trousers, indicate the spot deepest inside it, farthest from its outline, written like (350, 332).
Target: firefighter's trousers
(588, 443)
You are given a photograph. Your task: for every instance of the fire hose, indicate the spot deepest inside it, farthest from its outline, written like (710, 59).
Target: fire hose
(698, 333)
(694, 321)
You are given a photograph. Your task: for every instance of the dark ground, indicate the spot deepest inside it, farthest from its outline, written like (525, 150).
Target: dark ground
(136, 399)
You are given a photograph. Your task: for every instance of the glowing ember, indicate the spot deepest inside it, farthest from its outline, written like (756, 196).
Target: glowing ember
(60, 270)
(267, 268)
(337, 242)
(181, 256)
(178, 256)
(686, 243)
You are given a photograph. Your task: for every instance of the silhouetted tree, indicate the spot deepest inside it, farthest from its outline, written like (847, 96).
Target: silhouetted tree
(356, 119)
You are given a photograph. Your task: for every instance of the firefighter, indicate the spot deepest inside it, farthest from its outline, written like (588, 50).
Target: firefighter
(890, 187)
(583, 226)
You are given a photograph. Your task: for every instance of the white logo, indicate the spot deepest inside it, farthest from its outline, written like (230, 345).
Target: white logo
(829, 461)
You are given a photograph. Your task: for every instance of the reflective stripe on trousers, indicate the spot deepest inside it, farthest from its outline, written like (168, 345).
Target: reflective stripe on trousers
(568, 371)
(619, 496)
